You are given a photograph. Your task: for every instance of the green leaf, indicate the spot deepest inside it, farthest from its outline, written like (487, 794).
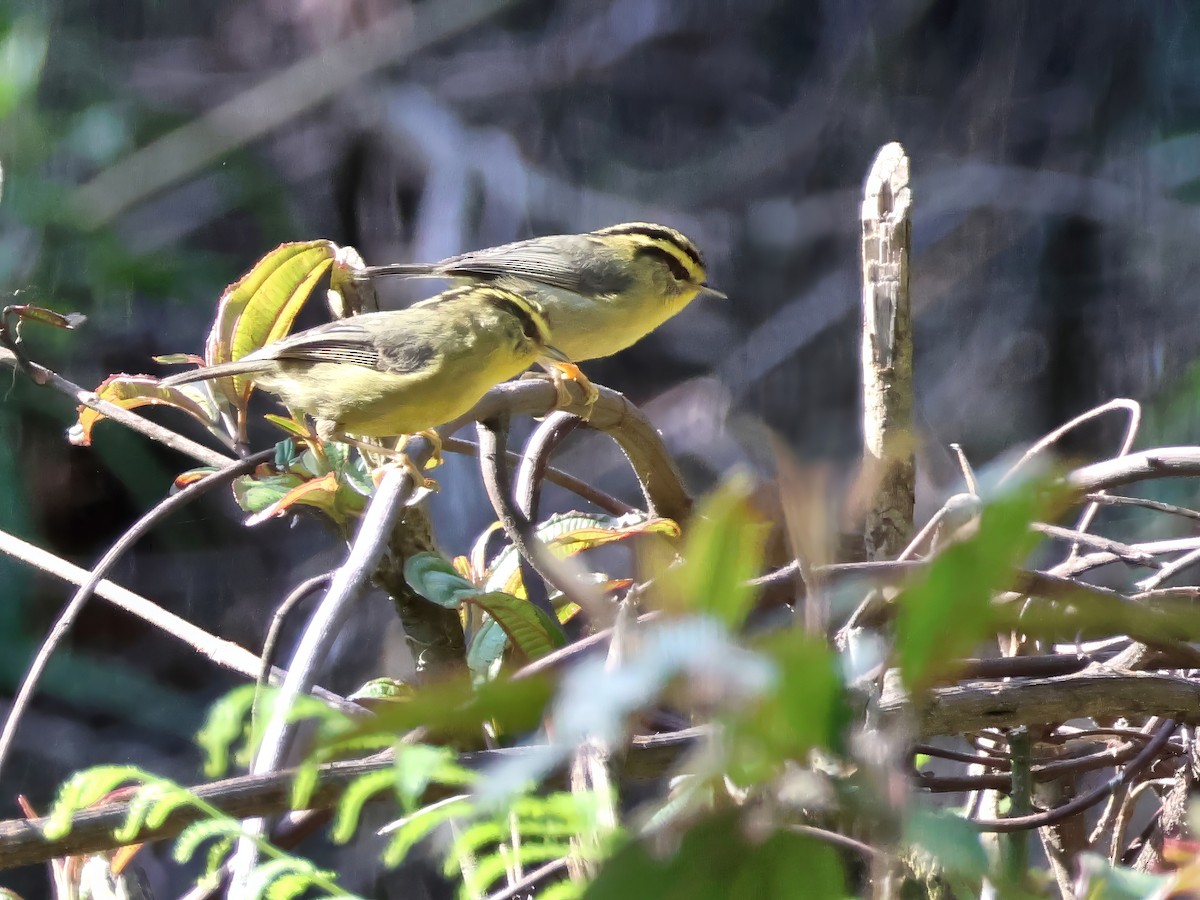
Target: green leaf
(350, 805)
(949, 609)
(23, 48)
(568, 534)
(224, 727)
(388, 690)
(716, 861)
(949, 839)
(456, 707)
(804, 709)
(435, 578)
(723, 551)
(82, 790)
(1107, 883)
(531, 631)
(255, 493)
(486, 650)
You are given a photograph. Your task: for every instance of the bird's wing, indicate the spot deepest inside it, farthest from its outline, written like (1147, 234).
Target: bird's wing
(552, 262)
(349, 342)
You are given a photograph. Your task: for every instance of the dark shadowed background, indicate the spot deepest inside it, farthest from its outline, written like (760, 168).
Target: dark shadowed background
(154, 149)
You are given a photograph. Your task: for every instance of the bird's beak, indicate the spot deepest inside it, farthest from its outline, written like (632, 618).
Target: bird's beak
(711, 293)
(555, 354)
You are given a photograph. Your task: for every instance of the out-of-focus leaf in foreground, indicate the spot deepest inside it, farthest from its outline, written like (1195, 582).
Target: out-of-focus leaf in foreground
(719, 860)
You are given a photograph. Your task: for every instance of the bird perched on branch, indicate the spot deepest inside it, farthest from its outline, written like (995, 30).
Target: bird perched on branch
(399, 372)
(600, 292)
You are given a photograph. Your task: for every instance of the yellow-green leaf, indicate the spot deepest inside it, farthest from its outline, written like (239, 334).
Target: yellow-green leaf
(319, 492)
(529, 629)
(132, 391)
(261, 306)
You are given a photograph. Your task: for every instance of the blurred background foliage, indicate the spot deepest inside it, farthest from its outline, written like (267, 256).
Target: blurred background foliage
(154, 149)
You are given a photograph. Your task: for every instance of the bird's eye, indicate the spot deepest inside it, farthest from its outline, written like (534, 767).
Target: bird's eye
(677, 269)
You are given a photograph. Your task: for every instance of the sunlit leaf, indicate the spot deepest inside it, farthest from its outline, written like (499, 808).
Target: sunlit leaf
(531, 631)
(568, 534)
(46, 316)
(179, 359)
(262, 490)
(132, 391)
(318, 492)
(191, 476)
(382, 690)
(289, 426)
(723, 551)
(948, 610)
(261, 306)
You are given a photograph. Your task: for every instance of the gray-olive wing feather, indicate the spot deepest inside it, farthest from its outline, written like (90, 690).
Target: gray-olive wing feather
(553, 261)
(348, 341)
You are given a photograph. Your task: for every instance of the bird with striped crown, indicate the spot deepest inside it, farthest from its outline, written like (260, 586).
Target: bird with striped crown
(399, 372)
(600, 291)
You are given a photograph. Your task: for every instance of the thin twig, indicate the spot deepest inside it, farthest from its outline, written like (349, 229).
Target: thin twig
(659, 478)
(520, 530)
(1156, 505)
(67, 617)
(1125, 552)
(126, 417)
(578, 486)
(1091, 798)
(293, 599)
(376, 525)
(531, 880)
(536, 462)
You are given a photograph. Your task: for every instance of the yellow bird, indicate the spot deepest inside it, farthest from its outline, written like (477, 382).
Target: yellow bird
(600, 292)
(399, 372)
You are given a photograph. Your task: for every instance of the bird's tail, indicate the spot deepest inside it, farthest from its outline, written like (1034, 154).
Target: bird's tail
(403, 270)
(222, 370)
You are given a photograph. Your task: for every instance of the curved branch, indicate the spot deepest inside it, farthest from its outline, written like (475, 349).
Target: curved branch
(662, 485)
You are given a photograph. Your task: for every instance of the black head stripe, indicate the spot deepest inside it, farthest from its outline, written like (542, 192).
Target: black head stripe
(667, 258)
(659, 233)
(529, 324)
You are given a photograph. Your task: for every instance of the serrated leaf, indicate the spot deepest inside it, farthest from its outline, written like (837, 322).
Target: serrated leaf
(132, 391)
(261, 306)
(529, 629)
(434, 577)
